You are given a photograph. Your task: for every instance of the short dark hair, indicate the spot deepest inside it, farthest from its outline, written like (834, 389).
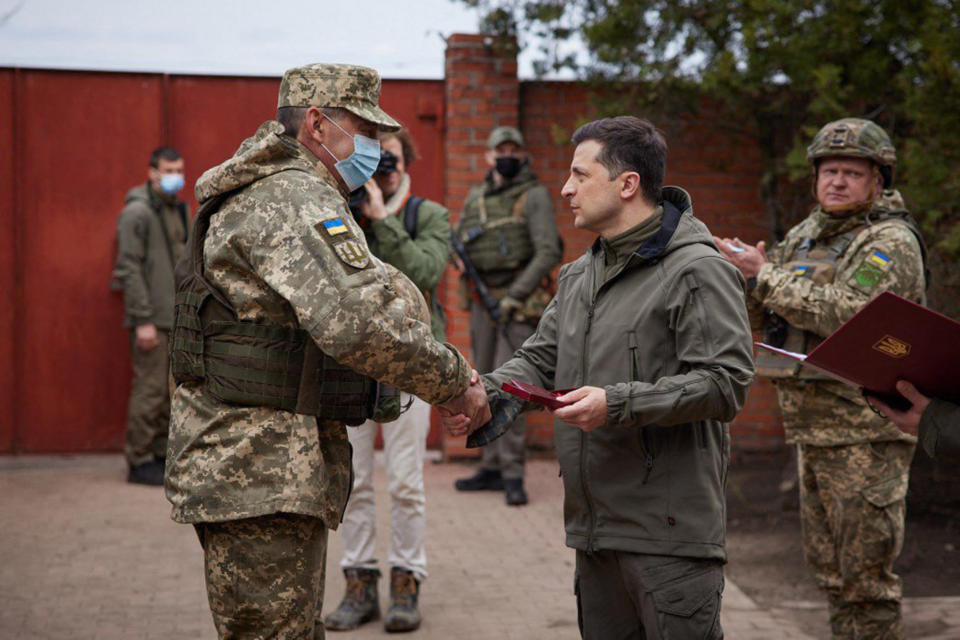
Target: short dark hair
(629, 144)
(163, 153)
(406, 144)
(292, 119)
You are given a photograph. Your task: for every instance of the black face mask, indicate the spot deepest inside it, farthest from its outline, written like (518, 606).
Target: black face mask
(508, 167)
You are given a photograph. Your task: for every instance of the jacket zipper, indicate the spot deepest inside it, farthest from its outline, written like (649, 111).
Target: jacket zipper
(583, 435)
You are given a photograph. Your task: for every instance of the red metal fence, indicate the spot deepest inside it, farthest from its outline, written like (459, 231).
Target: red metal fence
(71, 145)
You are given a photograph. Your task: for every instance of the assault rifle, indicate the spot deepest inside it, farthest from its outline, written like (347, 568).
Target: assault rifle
(470, 271)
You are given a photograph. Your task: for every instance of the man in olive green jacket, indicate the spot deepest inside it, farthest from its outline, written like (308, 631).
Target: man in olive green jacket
(650, 330)
(151, 236)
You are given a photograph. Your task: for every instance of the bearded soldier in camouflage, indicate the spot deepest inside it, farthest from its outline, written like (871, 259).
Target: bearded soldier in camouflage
(854, 465)
(282, 313)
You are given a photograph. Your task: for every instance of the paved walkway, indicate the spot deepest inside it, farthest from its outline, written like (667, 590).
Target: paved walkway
(85, 555)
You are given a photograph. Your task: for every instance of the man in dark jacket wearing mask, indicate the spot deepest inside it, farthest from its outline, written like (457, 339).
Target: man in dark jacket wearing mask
(509, 231)
(650, 330)
(151, 236)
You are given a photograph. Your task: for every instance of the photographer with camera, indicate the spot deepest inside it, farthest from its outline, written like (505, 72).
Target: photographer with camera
(412, 234)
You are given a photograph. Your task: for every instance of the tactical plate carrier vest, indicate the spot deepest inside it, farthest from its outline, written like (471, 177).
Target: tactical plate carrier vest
(250, 364)
(819, 263)
(494, 231)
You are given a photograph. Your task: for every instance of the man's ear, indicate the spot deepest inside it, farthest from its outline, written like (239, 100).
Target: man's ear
(630, 185)
(314, 125)
(488, 156)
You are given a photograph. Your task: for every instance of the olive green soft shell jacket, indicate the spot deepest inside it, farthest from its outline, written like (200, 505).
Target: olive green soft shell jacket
(668, 338)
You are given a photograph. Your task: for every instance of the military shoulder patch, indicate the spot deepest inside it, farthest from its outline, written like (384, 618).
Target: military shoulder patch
(352, 253)
(871, 271)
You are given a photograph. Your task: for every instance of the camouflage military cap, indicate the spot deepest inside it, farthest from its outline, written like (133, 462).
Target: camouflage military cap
(853, 137)
(504, 134)
(356, 89)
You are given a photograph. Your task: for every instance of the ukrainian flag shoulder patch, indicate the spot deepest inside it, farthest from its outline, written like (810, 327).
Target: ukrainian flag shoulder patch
(335, 227)
(871, 271)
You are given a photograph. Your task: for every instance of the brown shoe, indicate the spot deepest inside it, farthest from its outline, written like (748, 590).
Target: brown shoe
(360, 603)
(403, 614)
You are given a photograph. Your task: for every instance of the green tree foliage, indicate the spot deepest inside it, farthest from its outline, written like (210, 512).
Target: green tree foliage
(775, 71)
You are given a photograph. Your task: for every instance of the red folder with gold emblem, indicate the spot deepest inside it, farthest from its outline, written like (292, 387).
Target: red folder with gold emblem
(891, 339)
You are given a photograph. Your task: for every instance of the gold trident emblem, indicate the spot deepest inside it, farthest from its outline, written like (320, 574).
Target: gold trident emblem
(893, 347)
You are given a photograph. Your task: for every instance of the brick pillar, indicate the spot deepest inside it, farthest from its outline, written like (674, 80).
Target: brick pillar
(482, 92)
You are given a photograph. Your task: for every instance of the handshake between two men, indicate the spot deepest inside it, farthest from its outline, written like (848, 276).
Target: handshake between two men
(584, 408)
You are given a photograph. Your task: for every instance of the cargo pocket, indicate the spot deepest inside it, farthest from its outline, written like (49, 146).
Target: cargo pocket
(689, 608)
(881, 533)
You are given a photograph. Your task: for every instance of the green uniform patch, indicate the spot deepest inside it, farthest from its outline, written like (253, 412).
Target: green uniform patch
(871, 270)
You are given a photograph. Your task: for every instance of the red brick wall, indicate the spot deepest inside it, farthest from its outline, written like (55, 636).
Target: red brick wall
(721, 173)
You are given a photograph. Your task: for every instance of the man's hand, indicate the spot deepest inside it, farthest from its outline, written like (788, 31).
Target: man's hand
(589, 408)
(509, 306)
(746, 258)
(467, 412)
(146, 337)
(372, 207)
(909, 420)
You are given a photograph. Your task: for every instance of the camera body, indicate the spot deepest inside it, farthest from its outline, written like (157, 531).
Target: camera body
(387, 165)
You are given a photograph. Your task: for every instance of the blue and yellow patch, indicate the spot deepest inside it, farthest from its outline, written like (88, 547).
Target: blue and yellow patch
(336, 226)
(802, 269)
(871, 271)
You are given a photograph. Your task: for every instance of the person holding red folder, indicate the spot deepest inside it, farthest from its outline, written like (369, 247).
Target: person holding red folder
(854, 465)
(650, 331)
(935, 422)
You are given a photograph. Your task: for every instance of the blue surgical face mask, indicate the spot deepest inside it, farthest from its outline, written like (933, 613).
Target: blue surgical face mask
(171, 183)
(360, 165)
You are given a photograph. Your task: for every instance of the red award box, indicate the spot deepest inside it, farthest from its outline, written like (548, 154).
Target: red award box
(532, 393)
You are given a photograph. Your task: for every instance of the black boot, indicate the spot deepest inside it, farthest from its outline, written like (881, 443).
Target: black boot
(515, 496)
(360, 603)
(403, 614)
(149, 473)
(482, 480)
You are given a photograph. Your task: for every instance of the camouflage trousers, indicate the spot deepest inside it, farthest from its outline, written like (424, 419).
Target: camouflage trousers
(265, 576)
(490, 350)
(148, 413)
(852, 509)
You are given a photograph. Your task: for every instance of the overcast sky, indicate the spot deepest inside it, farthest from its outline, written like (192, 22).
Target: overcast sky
(400, 38)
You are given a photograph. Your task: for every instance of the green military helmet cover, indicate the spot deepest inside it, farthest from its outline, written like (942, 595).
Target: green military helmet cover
(504, 134)
(351, 87)
(853, 137)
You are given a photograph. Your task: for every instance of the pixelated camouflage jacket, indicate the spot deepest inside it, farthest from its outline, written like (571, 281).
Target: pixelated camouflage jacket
(824, 412)
(668, 338)
(284, 250)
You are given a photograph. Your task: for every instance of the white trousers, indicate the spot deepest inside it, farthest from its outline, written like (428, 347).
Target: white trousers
(404, 444)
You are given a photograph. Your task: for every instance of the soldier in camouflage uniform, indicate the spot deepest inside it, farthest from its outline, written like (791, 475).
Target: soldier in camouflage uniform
(258, 458)
(510, 233)
(853, 464)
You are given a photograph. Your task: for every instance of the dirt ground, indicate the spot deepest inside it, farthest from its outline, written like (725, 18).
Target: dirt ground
(763, 541)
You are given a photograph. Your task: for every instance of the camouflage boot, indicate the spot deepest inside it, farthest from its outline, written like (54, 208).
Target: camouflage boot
(360, 602)
(403, 614)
